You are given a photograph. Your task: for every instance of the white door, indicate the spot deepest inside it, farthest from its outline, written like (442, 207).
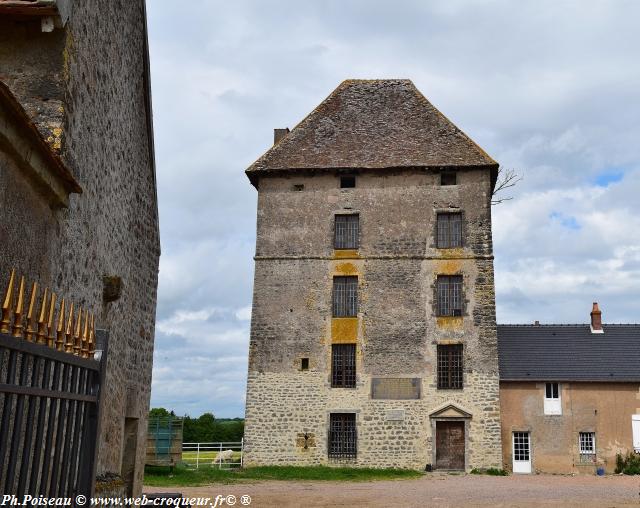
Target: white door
(521, 452)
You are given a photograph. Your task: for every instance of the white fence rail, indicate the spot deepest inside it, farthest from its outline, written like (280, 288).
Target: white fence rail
(225, 455)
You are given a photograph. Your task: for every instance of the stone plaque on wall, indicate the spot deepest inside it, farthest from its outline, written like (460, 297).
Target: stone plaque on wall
(394, 415)
(396, 388)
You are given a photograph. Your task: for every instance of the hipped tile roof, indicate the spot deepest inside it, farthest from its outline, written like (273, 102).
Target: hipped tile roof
(383, 123)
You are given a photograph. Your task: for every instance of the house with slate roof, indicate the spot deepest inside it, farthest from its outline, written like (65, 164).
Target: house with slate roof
(569, 395)
(373, 334)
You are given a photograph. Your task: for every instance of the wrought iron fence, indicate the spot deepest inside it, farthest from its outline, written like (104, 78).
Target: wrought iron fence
(221, 455)
(50, 378)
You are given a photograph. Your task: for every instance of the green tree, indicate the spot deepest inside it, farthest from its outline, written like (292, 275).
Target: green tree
(160, 411)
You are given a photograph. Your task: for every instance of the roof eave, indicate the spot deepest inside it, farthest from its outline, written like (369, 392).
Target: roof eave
(56, 177)
(28, 9)
(254, 173)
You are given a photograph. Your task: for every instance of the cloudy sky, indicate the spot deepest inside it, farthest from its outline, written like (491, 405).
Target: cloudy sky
(549, 88)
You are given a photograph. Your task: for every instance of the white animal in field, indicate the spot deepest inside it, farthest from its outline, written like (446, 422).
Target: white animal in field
(223, 456)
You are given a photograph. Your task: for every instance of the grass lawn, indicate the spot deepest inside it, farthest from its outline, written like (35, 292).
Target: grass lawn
(181, 476)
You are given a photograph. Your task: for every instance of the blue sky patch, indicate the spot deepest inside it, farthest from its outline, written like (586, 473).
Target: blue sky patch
(608, 177)
(567, 221)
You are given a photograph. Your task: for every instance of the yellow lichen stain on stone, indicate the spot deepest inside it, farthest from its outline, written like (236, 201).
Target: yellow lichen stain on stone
(457, 252)
(346, 254)
(344, 330)
(448, 267)
(346, 269)
(449, 322)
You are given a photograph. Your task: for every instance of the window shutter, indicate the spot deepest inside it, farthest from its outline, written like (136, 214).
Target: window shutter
(635, 426)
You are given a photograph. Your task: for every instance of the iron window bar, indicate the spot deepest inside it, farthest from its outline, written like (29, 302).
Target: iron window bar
(345, 296)
(449, 295)
(450, 366)
(343, 440)
(346, 231)
(449, 230)
(343, 366)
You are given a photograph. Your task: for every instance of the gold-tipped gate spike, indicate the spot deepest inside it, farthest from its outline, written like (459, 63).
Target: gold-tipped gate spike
(7, 305)
(51, 337)
(84, 345)
(60, 328)
(31, 331)
(42, 316)
(17, 313)
(92, 336)
(68, 342)
(77, 334)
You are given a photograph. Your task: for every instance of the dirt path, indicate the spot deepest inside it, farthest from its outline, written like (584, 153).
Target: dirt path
(433, 490)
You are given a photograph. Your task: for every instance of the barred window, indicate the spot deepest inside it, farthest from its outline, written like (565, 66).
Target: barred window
(449, 230)
(347, 231)
(343, 366)
(343, 439)
(450, 366)
(345, 296)
(587, 441)
(449, 295)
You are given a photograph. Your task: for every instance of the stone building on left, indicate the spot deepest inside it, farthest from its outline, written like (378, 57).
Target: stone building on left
(78, 204)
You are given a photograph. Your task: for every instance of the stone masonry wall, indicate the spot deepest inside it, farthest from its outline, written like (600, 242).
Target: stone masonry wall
(396, 330)
(112, 227)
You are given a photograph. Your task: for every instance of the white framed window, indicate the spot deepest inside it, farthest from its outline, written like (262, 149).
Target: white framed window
(587, 443)
(552, 399)
(635, 428)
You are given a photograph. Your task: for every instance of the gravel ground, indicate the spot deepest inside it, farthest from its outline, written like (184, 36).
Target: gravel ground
(433, 490)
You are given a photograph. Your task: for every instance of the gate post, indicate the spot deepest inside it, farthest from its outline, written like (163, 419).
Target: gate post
(87, 475)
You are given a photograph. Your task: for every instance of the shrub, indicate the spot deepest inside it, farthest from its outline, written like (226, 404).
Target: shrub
(629, 464)
(492, 471)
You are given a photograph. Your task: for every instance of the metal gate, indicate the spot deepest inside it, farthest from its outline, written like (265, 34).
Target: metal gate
(50, 380)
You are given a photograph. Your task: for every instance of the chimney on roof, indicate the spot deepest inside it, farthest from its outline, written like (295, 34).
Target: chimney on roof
(596, 319)
(278, 134)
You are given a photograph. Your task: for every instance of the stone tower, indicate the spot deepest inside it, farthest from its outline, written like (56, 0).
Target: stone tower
(373, 333)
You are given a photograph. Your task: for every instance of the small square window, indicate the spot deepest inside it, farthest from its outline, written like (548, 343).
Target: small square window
(298, 187)
(304, 364)
(448, 178)
(347, 182)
